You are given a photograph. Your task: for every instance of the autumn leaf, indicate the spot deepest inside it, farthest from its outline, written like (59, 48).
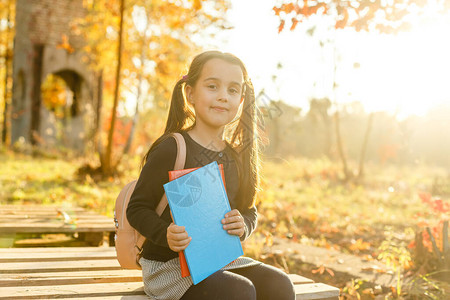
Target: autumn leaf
(319, 270)
(197, 4)
(330, 272)
(326, 228)
(384, 18)
(294, 23)
(276, 10)
(373, 268)
(65, 44)
(269, 239)
(359, 245)
(343, 21)
(425, 197)
(393, 290)
(440, 206)
(323, 269)
(368, 291)
(280, 28)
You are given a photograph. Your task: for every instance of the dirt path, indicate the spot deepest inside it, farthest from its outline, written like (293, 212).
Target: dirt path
(353, 266)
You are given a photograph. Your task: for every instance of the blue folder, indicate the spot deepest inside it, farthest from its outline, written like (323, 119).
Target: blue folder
(198, 201)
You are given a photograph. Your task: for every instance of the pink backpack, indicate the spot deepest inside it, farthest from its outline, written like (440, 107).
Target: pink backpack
(128, 241)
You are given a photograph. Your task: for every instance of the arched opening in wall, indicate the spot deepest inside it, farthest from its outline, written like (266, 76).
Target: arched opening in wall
(61, 97)
(56, 96)
(73, 82)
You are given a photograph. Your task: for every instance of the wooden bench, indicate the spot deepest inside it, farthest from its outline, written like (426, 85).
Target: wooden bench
(92, 273)
(39, 219)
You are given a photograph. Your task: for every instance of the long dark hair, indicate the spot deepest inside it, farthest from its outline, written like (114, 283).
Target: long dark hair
(241, 134)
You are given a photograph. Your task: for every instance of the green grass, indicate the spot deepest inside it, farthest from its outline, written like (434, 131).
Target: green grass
(299, 198)
(24, 179)
(304, 197)
(302, 200)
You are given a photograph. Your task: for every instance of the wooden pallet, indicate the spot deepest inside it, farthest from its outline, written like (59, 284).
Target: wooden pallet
(27, 219)
(92, 273)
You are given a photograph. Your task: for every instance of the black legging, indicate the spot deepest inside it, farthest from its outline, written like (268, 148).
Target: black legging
(262, 282)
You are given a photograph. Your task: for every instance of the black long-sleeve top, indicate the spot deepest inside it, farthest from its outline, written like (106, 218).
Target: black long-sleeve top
(149, 190)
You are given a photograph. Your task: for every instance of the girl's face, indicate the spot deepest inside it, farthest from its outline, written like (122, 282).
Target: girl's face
(216, 95)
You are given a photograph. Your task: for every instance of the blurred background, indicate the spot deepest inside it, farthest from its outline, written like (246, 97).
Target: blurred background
(354, 95)
(383, 70)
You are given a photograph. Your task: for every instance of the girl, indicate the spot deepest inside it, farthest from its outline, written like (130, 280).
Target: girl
(213, 108)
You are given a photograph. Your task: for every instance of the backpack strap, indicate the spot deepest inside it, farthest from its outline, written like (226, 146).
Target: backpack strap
(179, 164)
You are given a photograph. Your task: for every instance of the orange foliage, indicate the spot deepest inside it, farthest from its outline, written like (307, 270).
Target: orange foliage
(439, 211)
(387, 151)
(392, 19)
(121, 131)
(65, 44)
(322, 269)
(359, 245)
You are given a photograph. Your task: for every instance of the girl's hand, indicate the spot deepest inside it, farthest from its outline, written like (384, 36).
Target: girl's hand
(177, 237)
(234, 223)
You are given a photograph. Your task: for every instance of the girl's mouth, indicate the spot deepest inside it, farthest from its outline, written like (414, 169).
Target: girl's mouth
(219, 109)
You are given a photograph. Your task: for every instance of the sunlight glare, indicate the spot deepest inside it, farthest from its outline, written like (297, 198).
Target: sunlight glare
(408, 73)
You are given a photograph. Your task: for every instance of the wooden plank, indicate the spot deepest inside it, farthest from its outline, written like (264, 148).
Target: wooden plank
(53, 216)
(39, 227)
(47, 212)
(103, 290)
(59, 266)
(93, 272)
(25, 223)
(64, 278)
(4, 252)
(297, 279)
(56, 219)
(316, 291)
(133, 297)
(80, 291)
(40, 254)
(59, 257)
(43, 210)
(43, 207)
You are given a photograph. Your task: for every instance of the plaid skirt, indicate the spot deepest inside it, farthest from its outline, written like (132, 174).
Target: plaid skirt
(163, 281)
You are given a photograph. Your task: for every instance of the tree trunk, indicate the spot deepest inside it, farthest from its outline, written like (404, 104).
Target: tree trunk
(337, 121)
(107, 164)
(139, 93)
(38, 51)
(98, 129)
(328, 131)
(364, 146)
(98, 109)
(340, 147)
(135, 118)
(8, 59)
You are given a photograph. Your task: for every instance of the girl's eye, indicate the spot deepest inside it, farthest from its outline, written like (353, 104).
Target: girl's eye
(234, 91)
(212, 86)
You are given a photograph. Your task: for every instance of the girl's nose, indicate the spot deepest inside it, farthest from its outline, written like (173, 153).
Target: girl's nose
(223, 95)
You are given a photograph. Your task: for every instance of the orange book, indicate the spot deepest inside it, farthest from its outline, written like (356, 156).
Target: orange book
(174, 175)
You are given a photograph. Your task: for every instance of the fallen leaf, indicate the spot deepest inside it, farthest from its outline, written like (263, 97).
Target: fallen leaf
(373, 268)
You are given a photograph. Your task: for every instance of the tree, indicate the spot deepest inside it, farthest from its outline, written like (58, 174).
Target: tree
(369, 15)
(318, 111)
(106, 162)
(168, 39)
(6, 53)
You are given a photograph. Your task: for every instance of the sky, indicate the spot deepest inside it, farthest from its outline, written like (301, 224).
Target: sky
(406, 74)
